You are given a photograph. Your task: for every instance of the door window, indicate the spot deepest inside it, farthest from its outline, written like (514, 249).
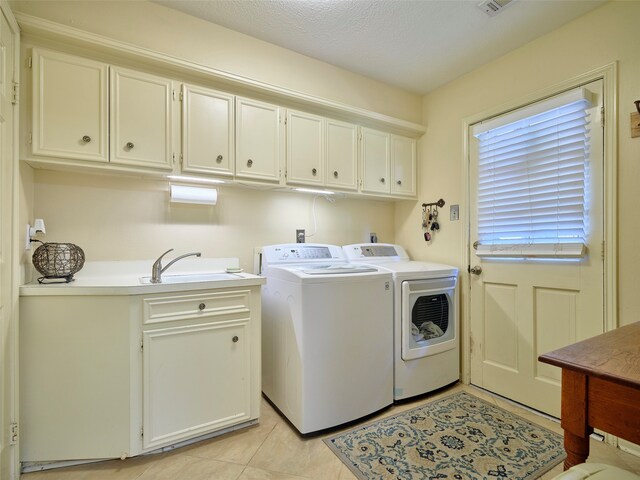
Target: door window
(532, 177)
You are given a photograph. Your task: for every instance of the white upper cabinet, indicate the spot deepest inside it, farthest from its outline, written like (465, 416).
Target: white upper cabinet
(321, 151)
(69, 107)
(342, 154)
(207, 131)
(89, 114)
(305, 148)
(258, 140)
(403, 166)
(141, 119)
(375, 161)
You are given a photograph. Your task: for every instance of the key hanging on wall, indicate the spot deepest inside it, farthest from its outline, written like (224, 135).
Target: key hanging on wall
(430, 223)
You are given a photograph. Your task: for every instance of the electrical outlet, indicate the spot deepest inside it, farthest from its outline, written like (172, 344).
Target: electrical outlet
(300, 236)
(454, 212)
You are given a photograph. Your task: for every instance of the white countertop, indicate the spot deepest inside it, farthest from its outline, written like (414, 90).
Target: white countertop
(124, 278)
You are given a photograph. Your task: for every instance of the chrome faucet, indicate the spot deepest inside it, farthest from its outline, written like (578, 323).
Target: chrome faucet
(157, 269)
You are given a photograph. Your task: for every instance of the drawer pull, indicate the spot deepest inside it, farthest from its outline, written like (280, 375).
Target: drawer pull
(86, 139)
(202, 306)
(399, 182)
(219, 158)
(335, 174)
(249, 163)
(382, 180)
(235, 339)
(129, 145)
(314, 172)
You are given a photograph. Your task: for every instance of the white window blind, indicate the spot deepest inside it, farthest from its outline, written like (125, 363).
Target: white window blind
(532, 179)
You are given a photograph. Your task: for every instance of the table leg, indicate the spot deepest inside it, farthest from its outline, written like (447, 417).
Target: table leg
(577, 449)
(574, 417)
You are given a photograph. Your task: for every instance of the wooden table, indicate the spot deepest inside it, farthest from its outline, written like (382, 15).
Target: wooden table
(600, 389)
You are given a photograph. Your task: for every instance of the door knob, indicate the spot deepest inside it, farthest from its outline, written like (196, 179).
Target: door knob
(477, 270)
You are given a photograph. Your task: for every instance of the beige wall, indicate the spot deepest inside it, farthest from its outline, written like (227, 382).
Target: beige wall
(160, 29)
(608, 34)
(115, 218)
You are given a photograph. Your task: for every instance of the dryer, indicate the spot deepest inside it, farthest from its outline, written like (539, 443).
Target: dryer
(327, 330)
(426, 321)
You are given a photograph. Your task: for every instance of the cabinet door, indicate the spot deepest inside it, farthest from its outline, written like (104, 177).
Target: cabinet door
(403, 165)
(196, 380)
(305, 148)
(207, 131)
(140, 119)
(375, 161)
(69, 107)
(258, 140)
(342, 154)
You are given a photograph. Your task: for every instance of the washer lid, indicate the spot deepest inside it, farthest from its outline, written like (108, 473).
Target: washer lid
(337, 269)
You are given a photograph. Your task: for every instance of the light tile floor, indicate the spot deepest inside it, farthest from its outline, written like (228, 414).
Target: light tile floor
(272, 450)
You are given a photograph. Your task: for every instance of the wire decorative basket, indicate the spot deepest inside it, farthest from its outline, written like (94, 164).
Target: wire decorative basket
(57, 261)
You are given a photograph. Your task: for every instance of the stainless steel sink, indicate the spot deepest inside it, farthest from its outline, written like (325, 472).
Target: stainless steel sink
(190, 278)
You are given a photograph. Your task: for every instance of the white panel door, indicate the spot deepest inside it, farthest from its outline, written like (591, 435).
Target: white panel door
(207, 131)
(196, 379)
(258, 140)
(9, 39)
(403, 165)
(521, 308)
(375, 154)
(140, 121)
(305, 148)
(342, 155)
(69, 107)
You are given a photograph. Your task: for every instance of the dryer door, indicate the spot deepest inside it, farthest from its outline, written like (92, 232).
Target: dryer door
(429, 317)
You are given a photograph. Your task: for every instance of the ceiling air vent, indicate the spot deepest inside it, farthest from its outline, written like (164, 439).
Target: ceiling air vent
(493, 7)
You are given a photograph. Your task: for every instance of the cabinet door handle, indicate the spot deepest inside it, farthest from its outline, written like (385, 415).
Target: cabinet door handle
(219, 158)
(382, 180)
(235, 339)
(86, 139)
(249, 163)
(202, 306)
(314, 171)
(129, 145)
(399, 182)
(335, 174)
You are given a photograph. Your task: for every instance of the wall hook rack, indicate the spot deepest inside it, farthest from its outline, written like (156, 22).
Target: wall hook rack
(439, 203)
(430, 224)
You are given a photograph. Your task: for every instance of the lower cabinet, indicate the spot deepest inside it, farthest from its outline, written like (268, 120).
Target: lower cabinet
(196, 365)
(119, 375)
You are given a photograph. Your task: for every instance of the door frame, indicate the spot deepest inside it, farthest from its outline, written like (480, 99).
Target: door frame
(13, 407)
(609, 75)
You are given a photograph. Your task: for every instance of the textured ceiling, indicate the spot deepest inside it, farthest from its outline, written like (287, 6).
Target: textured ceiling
(416, 45)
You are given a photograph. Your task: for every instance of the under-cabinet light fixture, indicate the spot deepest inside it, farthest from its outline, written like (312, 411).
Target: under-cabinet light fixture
(183, 178)
(313, 190)
(197, 195)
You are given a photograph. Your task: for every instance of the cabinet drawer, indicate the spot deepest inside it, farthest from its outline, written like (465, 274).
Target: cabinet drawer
(194, 306)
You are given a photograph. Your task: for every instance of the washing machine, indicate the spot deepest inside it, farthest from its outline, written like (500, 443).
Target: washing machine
(327, 330)
(426, 327)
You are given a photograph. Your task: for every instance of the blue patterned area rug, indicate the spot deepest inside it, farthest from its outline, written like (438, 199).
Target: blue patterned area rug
(459, 437)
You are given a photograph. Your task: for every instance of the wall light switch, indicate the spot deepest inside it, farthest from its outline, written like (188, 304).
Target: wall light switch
(454, 212)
